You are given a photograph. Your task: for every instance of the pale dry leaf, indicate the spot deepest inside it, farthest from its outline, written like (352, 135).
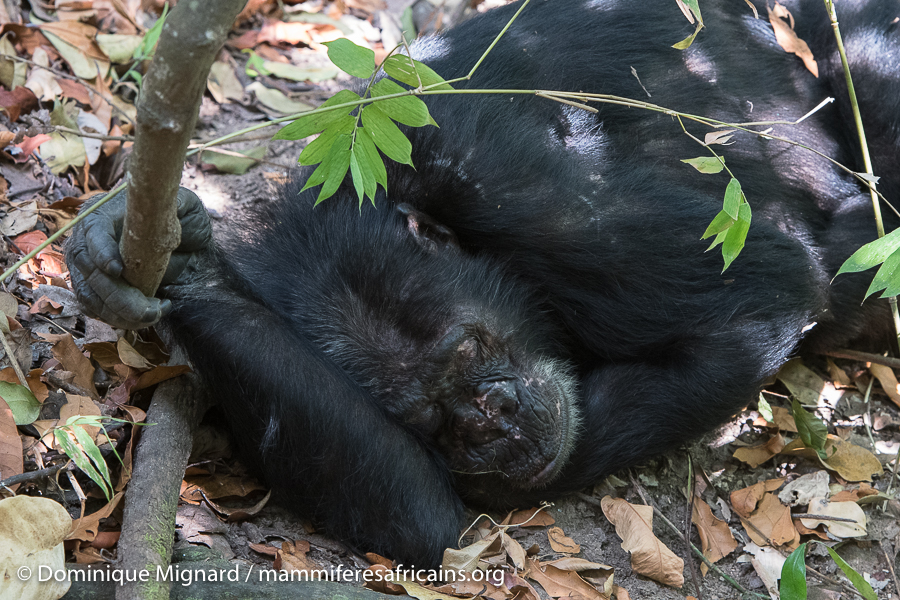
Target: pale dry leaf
(803, 489)
(844, 510)
(32, 531)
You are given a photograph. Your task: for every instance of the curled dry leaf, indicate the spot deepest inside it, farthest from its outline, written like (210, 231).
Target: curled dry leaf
(716, 539)
(770, 524)
(844, 510)
(787, 38)
(757, 455)
(888, 381)
(649, 556)
(562, 584)
(745, 499)
(560, 542)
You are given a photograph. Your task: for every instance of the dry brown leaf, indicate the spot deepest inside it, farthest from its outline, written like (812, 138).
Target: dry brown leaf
(87, 527)
(132, 357)
(381, 582)
(649, 556)
(757, 455)
(104, 354)
(213, 487)
(80, 406)
(787, 38)
(562, 543)
(781, 418)
(770, 524)
(10, 444)
(716, 539)
(838, 374)
(562, 584)
(292, 557)
(158, 375)
(744, 500)
(72, 359)
(888, 381)
(803, 530)
(530, 517)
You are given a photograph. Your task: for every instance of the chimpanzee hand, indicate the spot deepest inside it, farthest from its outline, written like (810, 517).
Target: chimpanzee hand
(95, 265)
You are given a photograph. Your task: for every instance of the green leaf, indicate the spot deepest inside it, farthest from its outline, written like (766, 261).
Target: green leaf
(307, 125)
(686, 42)
(408, 110)
(861, 585)
(24, 406)
(362, 174)
(812, 430)
(736, 236)
(387, 136)
(720, 237)
(236, 165)
(256, 64)
(78, 456)
(403, 69)
(368, 153)
(718, 225)
(734, 197)
(330, 173)
(793, 575)
(151, 37)
(351, 59)
(318, 149)
(93, 452)
(873, 253)
(765, 409)
(886, 278)
(706, 164)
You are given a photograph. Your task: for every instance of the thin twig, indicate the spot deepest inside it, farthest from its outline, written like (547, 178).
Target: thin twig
(686, 534)
(878, 359)
(33, 475)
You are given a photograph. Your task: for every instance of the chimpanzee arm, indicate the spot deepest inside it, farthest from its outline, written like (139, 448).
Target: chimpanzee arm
(95, 266)
(327, 447)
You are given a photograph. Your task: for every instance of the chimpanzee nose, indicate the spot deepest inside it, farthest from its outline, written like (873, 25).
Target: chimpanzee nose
(496, 399)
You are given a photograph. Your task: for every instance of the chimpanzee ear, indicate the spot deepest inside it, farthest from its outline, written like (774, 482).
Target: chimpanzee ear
(430, 234)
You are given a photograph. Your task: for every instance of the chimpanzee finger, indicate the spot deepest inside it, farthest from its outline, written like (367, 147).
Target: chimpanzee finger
(112, 300)
(101, 231)
(196, 231)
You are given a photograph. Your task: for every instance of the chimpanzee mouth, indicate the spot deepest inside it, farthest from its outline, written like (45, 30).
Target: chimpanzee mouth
(559, 374)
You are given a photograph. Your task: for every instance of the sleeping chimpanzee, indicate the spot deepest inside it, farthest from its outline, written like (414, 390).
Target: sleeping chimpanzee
(531, 307)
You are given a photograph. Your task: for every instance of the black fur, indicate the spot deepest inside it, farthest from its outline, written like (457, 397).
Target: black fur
(355, 351)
